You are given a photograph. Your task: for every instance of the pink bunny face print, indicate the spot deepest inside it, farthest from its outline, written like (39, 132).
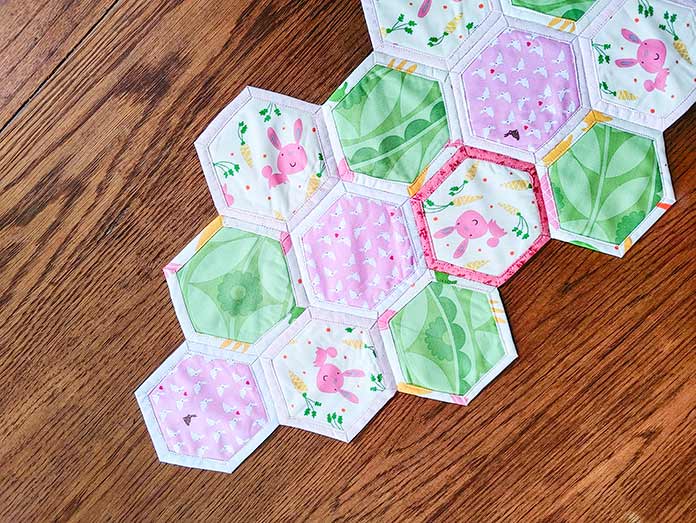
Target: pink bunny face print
(644, 65)
(479, 216)
(330, 378)
(650, 55)
(470, 225)
(292, 157)
(267, 158)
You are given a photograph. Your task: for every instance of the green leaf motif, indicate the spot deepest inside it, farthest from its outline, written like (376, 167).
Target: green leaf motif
(446, 338)
(569, 9)
(604, 182)
(391, 124)
(236, 286)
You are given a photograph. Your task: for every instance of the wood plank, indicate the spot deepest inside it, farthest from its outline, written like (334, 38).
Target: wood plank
(35, 39)
(101, 188)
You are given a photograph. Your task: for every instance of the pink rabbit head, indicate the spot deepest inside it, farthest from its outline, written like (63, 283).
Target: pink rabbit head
(292, 157)
(330, 378)
(471, 225)
(651, 55)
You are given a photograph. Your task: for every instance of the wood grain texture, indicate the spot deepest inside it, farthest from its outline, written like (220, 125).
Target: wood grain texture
(35, 40)
(101, 188)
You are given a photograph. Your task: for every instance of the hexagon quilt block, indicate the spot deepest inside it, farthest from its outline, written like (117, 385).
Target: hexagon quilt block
(606, 184)
(432, 32)
(265, 156)
(447, 339)
(481, 216)
(640, 60)
(328, 374)
(517, 89)
(357, 250)
(388, 121)
(207, 408)
(235, 286)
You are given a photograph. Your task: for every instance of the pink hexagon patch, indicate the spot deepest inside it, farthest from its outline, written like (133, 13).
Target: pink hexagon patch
(521, 89)
(208, 408)
(358, 251)
(481, 216)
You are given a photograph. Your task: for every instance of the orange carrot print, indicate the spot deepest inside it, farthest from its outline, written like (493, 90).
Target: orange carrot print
(244, 147)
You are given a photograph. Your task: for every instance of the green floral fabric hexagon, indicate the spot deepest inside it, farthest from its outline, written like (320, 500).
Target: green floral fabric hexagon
(236, 286)
(391, 124)
(568, 9)
(446, 338)
(606, 184)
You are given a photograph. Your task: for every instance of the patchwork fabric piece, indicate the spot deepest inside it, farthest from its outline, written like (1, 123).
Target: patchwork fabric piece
(361, 242)
(328, 376)
(206, 409)
(358, 251)
(449, 339)
(608, 183)
(480, 216)
(232, 286)
(642, 60)
(433, 29)
(264, 156)
(521, 89)
(391, 124)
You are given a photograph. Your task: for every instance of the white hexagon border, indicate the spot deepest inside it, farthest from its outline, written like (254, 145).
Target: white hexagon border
(592, 78)
(220, 122)
(190, 250)
(468, 136)
(503, 330)
(382, 46)
(314, 313)
(167, 456)
(668, 198)
(424, 71)
(339, 190)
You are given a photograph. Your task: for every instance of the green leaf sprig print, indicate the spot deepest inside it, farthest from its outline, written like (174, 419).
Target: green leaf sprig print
(401, 24)
(377, 383)
(645, 9)
(608, 181)
(446, 338)
(391, 124)
(269, 111)
(602, 53)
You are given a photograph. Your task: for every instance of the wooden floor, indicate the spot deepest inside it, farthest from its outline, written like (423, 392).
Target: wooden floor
(100, 102)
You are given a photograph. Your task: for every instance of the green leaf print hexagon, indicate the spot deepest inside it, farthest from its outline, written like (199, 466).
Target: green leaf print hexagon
(236, 286)
(391, 124)
(446, 338)
(568, 9)
(606, 184)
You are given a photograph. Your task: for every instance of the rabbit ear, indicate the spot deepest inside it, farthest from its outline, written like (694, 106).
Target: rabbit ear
(320, 357)
(273, 138)
(353, 373)
(626, 62)
(298, 130)
(349, 396)
(461, 248)
(630, 36)
(444, 232)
